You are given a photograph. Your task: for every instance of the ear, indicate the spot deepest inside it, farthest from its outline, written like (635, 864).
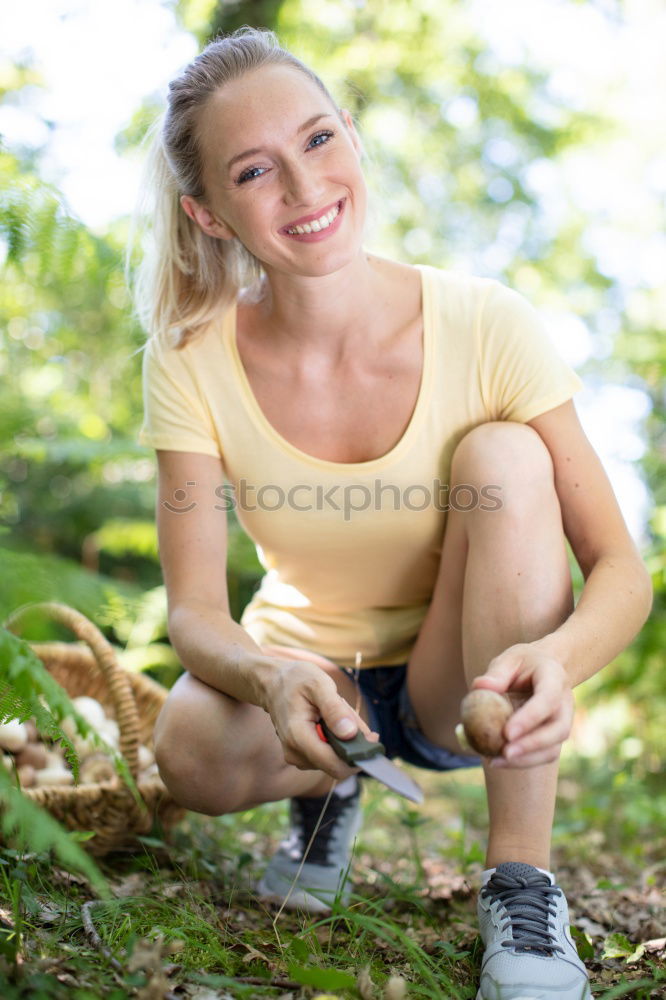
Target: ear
(351, 128)
(205, 219)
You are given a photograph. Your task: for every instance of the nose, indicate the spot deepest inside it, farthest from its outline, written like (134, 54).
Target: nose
(302, 185)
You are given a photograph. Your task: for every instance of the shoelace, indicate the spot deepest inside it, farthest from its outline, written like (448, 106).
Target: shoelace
(527, 896)
(306, 813)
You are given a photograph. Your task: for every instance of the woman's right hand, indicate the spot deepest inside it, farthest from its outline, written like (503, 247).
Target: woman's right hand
(299, 695)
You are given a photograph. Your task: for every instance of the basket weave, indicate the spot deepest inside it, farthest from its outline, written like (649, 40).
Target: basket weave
(108, 808)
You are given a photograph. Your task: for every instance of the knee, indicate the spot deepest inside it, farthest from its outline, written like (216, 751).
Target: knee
(186, 758)
(176, 724)
(506, 454)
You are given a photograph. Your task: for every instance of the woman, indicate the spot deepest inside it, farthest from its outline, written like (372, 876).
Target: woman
(403, 448)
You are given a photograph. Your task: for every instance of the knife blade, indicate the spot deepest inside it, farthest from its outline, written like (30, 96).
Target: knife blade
(370, 757)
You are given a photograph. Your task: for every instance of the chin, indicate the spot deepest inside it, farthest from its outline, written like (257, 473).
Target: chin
(322, 262)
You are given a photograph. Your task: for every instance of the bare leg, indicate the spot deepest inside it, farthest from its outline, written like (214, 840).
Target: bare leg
(217, 755)
(504, 578)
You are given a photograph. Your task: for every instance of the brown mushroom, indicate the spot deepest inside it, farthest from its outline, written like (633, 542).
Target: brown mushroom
(33, 754)
(32, 731)
(484, 715)
(27, 775)
(96, 767)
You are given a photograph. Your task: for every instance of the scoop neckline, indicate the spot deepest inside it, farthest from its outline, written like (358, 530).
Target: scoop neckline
(265, 426)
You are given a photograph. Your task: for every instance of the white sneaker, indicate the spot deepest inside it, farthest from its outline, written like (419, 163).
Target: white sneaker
(530, 955)
(323, 877)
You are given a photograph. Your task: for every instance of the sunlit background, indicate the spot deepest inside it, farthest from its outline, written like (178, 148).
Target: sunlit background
(517, 139)
(92, 66)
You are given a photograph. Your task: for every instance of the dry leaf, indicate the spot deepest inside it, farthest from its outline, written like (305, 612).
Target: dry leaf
(365, 985)
(253, 954)
(395, 989)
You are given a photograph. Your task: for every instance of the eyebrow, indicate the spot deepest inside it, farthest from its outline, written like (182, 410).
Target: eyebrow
(258, 149)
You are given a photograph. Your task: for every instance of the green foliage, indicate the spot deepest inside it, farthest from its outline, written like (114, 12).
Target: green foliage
(434, 103)
(322, 979)
(25, 823)
(123, 536)
(27, 690)
(34, 576)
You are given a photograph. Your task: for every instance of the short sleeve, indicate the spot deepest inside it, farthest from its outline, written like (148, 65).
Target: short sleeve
(175, 417)
(522, 374)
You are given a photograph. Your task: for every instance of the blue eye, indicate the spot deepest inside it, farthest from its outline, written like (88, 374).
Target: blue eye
(320, 139)
(249, 174)
(323, 136)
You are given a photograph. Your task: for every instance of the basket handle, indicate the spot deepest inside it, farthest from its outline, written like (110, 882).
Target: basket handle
(120, 689)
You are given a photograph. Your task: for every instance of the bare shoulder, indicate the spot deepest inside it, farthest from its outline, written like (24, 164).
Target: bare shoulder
(401, 277)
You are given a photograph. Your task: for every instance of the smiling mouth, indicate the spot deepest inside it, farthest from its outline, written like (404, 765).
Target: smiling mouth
(316, 225)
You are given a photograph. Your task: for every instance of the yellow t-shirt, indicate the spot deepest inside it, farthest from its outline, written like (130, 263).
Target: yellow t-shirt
(351, 550)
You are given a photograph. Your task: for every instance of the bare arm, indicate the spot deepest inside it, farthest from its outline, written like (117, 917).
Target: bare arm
(295, 692)
(617, 596)
(193, 552)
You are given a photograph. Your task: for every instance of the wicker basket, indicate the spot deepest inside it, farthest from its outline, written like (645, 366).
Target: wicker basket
(108, 807)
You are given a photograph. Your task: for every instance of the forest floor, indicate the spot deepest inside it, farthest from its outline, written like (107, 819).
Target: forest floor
(183, 921)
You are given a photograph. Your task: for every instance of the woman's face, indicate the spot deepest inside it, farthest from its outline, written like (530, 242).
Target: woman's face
(279, 161)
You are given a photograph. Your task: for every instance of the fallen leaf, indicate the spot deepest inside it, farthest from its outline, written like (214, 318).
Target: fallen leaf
(618, 946)
(48, 913)
(365, 985)
(253, 954)
(131, 885)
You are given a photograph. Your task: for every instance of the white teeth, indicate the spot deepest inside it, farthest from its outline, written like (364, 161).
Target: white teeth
(316, 225)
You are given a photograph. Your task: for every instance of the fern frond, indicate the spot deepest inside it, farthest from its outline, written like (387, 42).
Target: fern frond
(27, 690)
(22, 821)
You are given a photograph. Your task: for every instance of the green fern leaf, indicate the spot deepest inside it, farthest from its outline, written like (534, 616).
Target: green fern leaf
(25, 823)
(27, 690)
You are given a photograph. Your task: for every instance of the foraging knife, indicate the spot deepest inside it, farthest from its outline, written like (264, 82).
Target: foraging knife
(370, 757)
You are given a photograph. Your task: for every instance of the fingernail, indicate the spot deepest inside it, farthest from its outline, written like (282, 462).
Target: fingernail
(512, 752)
(344, 727)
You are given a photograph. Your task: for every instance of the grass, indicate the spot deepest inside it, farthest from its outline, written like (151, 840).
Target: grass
(185, 923)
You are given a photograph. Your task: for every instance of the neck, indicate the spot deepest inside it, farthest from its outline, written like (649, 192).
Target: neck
(330, 314)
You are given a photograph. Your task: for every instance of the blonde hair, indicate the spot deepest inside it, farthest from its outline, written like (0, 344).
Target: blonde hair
(186, 276)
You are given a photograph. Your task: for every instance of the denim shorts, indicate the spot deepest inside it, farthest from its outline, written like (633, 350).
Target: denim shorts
(391, 715)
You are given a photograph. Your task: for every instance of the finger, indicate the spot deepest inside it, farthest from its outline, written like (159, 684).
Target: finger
(548, 701)
(325, 760)
(305, 745)
(339, 716)
(546, 756)
(500, 673)
(552, 734)
(290, 653)
(369, 733)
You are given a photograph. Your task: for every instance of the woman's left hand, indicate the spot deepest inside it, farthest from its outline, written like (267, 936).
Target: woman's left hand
(539, 684)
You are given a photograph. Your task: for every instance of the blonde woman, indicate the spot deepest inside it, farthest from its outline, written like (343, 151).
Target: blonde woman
(401, 444)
